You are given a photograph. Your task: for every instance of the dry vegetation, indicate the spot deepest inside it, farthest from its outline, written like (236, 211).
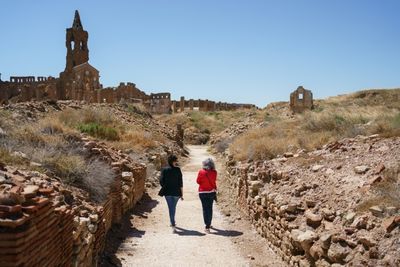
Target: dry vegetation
(200, 125)
(362, 113)
(52, 144)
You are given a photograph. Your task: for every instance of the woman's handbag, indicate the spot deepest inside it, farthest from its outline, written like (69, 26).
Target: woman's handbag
(161, 193)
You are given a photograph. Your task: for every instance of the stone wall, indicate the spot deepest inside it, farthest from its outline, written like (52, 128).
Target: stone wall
(301, 100)
(160, 103)
(46, 223)
(312, 215)
(28, 88)
(206, 105)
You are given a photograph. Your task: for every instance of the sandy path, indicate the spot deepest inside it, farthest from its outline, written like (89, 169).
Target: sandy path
(150, 241)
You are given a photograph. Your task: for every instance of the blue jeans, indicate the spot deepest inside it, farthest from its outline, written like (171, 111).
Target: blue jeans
(207, 200)
(171, 202)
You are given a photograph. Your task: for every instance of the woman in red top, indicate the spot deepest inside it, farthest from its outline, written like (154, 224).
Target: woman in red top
(207, 180)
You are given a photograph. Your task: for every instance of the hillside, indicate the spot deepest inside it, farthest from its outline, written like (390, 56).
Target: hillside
(321, 187)
(275, 130)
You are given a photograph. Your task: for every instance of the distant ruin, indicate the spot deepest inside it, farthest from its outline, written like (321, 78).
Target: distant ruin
(206, 105)
(81, 81)
(301, 99)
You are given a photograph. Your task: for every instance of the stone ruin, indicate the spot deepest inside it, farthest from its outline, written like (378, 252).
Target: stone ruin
(301, 99)
(206, 105)
(160, 103)
(79, 81)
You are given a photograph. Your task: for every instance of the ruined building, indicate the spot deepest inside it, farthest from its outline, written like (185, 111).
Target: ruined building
(81, 81)
(301, 99)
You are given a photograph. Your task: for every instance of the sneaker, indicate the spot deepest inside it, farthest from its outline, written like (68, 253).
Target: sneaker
(207, 230)
(173, 230)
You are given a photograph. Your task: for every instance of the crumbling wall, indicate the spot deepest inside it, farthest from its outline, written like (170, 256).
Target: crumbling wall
(160, 103)
(27, 88)
(206, 105)
(301, 100)
(308, 207)
(46, 223)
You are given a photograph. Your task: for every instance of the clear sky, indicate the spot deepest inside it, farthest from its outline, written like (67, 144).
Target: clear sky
(254, 51)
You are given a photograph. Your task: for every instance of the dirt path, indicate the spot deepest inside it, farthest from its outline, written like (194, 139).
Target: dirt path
(150, 241)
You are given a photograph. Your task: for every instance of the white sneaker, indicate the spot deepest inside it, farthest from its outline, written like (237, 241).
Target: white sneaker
(207, 230)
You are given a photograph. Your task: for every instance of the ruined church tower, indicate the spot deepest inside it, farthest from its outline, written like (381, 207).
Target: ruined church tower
(76, 42)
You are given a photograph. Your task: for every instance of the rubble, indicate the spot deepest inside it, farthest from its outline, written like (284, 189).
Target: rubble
(320, 218)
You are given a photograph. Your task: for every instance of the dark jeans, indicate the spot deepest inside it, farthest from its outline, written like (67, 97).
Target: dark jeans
(207, 200)
(171, 202)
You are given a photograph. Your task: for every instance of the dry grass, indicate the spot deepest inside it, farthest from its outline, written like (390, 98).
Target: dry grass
(345, 116)
(205, 122)
(137, 139)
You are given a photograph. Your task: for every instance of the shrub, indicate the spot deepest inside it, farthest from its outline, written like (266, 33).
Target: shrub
(70, 168)
(99, 131)
(97, 180)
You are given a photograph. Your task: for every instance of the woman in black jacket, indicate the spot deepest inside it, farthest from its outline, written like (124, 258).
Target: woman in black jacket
(171, 183)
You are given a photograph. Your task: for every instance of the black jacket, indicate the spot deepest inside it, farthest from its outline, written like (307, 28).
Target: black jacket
(171, 180)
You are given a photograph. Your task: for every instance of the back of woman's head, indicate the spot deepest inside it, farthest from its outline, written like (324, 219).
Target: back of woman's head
(208, 164)
(171, 159)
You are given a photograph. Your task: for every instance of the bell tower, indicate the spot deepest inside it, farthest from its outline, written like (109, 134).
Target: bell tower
(76, 43)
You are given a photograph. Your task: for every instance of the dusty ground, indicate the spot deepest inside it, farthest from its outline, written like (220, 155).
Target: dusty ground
(145, 239)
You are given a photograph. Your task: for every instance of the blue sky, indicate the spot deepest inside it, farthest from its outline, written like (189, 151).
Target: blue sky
(250, 51)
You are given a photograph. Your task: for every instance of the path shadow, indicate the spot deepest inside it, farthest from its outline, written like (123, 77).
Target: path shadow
(125, 229)
(185, 232)
(227, 233)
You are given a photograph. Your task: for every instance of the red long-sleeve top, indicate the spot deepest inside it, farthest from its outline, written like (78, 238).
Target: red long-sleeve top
(207, 180)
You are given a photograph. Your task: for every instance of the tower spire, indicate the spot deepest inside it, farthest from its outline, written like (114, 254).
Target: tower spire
(77, 24)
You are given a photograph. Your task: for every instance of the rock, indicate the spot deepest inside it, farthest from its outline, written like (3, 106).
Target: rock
(326, 240)
(364, 237)
(313, 220)
(337, 253)
(92, 228)
(316, 251)
(305, 239)
(2, 178)
(361, 169)
(375, 180)
(316, 168)
(94, 218)
(329, 171)
(30, 191)
(379, 169)
(391, 210)
(373, 253)
(389, 224)
(376, 211)
(310, 203)
(349, 217)
(360, 222)
(328, 214)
